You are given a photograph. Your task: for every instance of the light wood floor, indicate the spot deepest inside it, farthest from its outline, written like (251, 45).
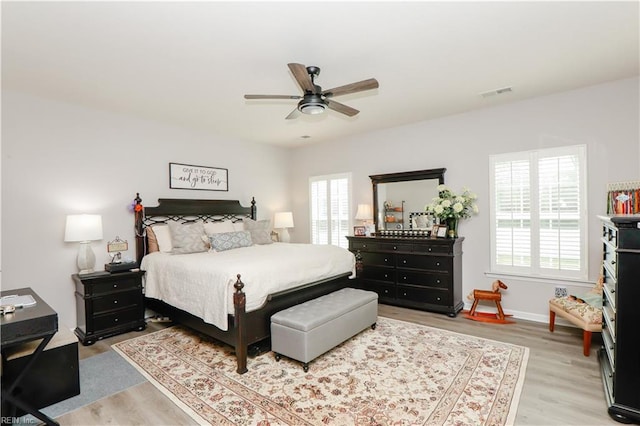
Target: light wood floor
(562, 387)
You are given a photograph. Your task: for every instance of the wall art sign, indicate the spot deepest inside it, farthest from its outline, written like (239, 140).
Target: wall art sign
(187, 176)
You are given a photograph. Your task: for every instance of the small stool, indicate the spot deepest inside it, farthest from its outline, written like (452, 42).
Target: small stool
(585, 316)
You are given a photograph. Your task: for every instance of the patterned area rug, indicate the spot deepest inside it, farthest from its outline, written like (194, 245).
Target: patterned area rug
(400, 373)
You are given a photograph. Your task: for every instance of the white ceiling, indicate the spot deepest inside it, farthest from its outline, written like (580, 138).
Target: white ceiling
(190, 63)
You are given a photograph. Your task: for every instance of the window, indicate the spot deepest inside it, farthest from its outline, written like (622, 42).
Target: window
(330, 206)
(538, 212)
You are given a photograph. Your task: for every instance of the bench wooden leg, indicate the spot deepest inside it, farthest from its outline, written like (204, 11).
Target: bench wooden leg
(552, 320)
(586, 342)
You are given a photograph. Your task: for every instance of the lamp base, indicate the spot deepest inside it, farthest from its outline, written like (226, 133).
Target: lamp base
(284, 236)
(86, 258)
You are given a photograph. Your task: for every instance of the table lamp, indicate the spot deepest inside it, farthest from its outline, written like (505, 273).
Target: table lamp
(283, 220)
(84, 228)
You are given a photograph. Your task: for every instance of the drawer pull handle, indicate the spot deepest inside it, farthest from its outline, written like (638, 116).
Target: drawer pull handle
(115, 302)
(404, 293)
(364, 246)
(395, 248)
(115, 320)
(437, 281)
(437, 263)
(386, 260)
(386, 276)
(438, 299)
(404, 261)
(386, 291)
(429, 249)
(115, 286)
(404, 278)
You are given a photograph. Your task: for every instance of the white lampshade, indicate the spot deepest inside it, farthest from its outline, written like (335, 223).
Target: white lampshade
(283, 220)
(364, 212)
(84, 228)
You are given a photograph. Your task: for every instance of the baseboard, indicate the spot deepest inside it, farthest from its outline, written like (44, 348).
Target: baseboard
(541, 318)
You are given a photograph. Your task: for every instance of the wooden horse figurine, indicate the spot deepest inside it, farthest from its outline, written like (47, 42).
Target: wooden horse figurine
(493, 295)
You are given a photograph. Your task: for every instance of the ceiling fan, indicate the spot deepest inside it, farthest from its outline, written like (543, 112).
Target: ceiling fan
(315, 100)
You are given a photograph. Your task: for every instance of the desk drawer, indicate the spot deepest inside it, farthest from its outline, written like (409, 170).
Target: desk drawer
(114, 301)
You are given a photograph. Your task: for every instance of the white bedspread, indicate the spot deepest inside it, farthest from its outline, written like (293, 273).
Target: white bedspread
(202, 283)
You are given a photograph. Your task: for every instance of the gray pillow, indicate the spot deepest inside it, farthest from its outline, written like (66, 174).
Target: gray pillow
(188, 237)
(230, 240)
(260, 230)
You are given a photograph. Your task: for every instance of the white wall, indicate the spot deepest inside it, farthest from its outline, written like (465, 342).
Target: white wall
(603, 117)
(59, 159)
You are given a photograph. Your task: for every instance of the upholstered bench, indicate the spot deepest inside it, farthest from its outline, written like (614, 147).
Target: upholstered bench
(579, 313)
(306, 331)
(53, 378)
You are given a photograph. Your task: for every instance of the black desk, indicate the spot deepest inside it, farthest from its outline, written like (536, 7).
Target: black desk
(24, 325)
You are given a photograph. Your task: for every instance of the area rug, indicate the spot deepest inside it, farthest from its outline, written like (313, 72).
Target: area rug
(398, 374)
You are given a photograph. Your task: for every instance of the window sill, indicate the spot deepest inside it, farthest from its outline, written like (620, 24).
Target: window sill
(540, 279)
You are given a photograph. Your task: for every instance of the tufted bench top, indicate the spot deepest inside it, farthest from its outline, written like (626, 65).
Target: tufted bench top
(309, 315)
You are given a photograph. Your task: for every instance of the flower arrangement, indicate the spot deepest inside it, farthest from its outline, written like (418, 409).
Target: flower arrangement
(448, 205)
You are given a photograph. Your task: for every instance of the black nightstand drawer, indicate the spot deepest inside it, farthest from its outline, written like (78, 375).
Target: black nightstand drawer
(116, 319)
(426, 280)
(435, 297)
(120, 284)
(383, 259)
(120, 300)
(434, 263)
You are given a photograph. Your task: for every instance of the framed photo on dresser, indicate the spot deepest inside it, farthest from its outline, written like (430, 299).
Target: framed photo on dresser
(359, 231)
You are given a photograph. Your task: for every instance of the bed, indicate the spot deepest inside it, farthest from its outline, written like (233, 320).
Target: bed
(245, 311)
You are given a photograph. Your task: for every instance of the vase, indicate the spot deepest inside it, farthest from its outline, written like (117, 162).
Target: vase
(452, 227)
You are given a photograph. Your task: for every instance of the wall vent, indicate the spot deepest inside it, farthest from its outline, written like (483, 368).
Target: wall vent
(496, 92)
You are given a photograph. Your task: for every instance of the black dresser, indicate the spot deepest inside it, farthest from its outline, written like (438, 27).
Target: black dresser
(419, 273)
(620, 354)
(108, 304)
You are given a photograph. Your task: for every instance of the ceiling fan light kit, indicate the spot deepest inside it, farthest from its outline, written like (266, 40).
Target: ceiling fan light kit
(315, 100)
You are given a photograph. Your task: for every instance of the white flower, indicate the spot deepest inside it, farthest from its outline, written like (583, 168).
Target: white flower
(450, 205)
(474, 208)
(457, 207)
(442, 187)
(438, 209)
(445, 203)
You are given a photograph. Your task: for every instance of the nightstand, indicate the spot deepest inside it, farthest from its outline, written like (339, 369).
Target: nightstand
(108, 304)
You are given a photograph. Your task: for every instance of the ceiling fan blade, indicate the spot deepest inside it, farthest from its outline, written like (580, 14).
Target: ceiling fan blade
(293, 114)
(302, 77)
(360, 86)
(272, 97)
(342, 108)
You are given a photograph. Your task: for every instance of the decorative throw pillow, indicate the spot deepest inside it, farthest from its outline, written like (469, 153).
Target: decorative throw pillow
(152, 241)
(187, 237)
(260, 230)
(217, 227)
(238, 226)
(230, 240)
(163, 237)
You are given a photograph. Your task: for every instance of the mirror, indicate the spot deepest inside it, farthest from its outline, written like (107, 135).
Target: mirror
(399, 199)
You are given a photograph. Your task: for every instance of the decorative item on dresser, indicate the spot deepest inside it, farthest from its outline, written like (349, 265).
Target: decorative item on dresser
(108, 304)
(413, 272)
(620, 354)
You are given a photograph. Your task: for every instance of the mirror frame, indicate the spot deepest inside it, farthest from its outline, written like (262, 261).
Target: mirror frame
(401, 177)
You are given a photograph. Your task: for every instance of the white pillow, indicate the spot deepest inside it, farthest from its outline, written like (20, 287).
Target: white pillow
(163, 236)
(218, 227)
(238, 226)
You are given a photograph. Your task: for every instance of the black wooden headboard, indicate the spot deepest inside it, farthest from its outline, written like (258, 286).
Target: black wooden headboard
(185, 211)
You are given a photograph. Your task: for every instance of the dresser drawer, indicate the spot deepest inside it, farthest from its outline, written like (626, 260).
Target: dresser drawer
(424, 279)
(116, 319)
(434, 263)
(386, 292)
(395, 247)
(357, 244)
(380, 259)
(424, 295)
(119, 300)
(380, 274)
(435, 249)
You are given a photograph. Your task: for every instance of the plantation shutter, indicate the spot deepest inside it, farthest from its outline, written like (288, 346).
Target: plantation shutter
(330, 207)
(538, 212)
